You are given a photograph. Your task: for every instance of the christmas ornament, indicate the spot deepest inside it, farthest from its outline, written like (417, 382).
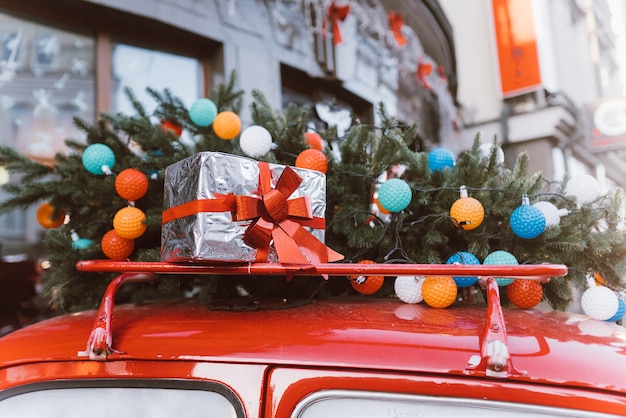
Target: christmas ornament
(202, 112)
(174, 128)
(467, 213)
(79, 243)
(439, 291)
(312, 159)
(366, 285)
(550, 212)
(129, 222)
(395, 195)
(227, 125)
(409, 288)
(527, 221)
(525, 293)
(98, 159)
(314, 140)
(584, 189)
(115, 247)
(45, 214)
(463, 257)
(501, 257)
(599, 302)
(440, 158)
(255, 141)
(487, 149)
(621, 309)
(131, 184)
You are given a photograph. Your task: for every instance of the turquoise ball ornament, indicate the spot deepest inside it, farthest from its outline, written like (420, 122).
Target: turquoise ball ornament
(463, 257)
(527, 221)
(440, 158)
(501, 257)
(98, 159)
(395, 195)
(202, 112)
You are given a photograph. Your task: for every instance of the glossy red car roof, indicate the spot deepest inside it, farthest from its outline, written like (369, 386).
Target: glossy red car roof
(367, 333)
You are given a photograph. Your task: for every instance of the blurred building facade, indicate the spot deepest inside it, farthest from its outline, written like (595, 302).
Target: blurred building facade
(546, 77)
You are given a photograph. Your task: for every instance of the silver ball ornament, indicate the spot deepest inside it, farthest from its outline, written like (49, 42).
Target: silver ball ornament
(599, 302)
(255, 141)
(409, 288)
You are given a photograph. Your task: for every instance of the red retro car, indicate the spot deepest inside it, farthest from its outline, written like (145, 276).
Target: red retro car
(351, 357)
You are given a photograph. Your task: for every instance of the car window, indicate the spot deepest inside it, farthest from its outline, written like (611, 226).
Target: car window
(353, 404)
(118, 402)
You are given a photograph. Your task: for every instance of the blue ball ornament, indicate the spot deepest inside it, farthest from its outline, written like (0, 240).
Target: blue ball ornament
(98, 159)
(501, 257)
(621, 309)
(395, 195)
(440, 158)
(527, 221)
(202, 112)
(463, 257)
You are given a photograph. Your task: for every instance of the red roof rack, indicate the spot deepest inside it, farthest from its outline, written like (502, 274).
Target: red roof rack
(494, 361)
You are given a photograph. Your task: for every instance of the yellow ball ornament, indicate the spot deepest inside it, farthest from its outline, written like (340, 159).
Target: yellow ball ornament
(439, 291)
(129, 222)
(467, 213)
(227, 125)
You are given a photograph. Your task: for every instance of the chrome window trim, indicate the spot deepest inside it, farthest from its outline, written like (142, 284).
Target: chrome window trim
(438, 400)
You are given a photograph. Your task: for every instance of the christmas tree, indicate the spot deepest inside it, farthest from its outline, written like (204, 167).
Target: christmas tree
(386, 201)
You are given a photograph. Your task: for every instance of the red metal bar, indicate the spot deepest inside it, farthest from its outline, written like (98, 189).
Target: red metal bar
(100, 343)
(495, 357)
(527, 271)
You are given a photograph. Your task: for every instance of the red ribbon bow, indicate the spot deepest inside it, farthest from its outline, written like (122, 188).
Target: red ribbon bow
(335, 14)
(276, 218)
(396, 21)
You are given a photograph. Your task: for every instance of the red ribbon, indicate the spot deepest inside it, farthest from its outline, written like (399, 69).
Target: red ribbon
(396, 21)
(423, 70)
(275, 218)
(335, 14)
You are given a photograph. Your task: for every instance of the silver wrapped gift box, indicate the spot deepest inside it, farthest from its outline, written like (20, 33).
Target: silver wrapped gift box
(199, 224)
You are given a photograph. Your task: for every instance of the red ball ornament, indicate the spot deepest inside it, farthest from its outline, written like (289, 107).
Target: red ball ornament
(129, 222)
(314, 140)
(439, 291)
(227, 125)
(525, 293)
(367, 285)
(169, 126)
(312, 159)
(467, 213)
(46, 218)
(116, 247)
(131, 184)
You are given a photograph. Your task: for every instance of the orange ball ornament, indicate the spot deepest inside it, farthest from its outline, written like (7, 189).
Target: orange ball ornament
(46, 218)
(115, 247)
(129, 222)
(467, 213)
(524, 293)
(131, 184)
(366, 285)
(227, 125)
(439, 291)
(312, 159)
(314, 140)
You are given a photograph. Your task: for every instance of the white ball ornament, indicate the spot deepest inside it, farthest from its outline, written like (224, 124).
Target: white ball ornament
(550, 212)
(409, 288)
(599, 302)
(256, 141)
(584, 188)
